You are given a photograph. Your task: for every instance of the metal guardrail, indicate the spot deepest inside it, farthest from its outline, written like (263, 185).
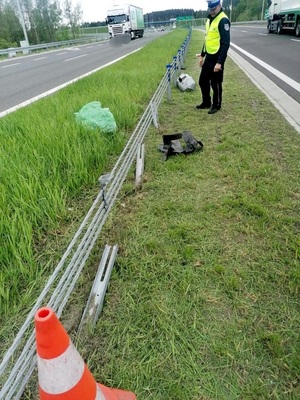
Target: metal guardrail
(19, 361)
(12, 51)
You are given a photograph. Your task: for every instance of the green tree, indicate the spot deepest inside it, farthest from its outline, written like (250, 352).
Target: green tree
(10, 27)
(28, 8)
(46, 17)
(247, 10)
(73, 16)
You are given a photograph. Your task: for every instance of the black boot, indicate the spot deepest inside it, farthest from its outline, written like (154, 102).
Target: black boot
(214, 109)
(203, 106)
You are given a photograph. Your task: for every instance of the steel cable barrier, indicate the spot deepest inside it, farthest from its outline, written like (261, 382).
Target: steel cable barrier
(19, 361)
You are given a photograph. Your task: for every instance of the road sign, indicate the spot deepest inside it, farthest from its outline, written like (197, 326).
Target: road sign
(184, 18)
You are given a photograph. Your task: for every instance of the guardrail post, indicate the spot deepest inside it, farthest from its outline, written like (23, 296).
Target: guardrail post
(11, 52)
(179, 59)
(139, 170)
(183, 48)
(154, 114)
(175, 69)
(183, 51)
(169, 93)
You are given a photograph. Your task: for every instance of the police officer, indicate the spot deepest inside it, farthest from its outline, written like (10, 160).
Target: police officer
(213, 56)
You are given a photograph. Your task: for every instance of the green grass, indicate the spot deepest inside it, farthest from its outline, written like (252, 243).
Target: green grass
(48, 161)
(203, 302)
(94, 30)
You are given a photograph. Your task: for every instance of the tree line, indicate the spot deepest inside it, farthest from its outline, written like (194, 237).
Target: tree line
(44, 21)
(47, 21)
(242, 10)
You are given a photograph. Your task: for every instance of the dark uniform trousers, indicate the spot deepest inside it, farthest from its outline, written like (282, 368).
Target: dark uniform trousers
(210, 79)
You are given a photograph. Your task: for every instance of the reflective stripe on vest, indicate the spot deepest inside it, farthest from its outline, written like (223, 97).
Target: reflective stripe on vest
(212, 40)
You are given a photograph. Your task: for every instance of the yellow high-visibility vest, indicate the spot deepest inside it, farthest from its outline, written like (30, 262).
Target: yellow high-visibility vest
(212, 39)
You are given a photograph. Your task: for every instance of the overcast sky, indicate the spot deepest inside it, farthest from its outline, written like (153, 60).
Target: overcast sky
(95, 10)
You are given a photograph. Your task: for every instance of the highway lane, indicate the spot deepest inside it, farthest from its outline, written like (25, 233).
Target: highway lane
(24, 78)
(281, 52)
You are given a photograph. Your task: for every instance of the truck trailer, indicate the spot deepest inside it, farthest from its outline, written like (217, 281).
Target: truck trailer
(125, 19)
(283, 15)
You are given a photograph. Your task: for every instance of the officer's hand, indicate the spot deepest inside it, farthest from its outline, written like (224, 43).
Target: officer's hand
(217, 67)
(201, 59)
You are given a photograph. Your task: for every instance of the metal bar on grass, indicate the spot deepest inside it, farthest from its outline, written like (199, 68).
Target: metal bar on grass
(139, 170)
(96, 298)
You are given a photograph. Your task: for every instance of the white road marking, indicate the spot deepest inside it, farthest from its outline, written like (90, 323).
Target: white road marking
(57, 88)
(288, 107)
(251, 26)
(10, 65)
(74, 58)
(295, 85)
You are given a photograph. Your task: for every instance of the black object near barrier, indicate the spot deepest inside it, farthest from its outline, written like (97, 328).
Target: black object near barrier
(172, 146)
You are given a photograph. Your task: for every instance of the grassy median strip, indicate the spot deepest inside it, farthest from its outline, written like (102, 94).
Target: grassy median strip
(204, 302)
(48, 161)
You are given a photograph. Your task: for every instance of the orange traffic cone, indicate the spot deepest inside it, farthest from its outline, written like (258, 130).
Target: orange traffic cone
(63, 375)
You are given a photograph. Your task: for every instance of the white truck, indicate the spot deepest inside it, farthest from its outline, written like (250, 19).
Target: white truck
(125, 19)
(283, 15)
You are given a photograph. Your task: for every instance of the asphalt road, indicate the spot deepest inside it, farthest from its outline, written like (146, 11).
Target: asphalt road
(279, 52)
(25, 78)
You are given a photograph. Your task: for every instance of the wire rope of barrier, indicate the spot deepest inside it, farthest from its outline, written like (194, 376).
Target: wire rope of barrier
(19, 361)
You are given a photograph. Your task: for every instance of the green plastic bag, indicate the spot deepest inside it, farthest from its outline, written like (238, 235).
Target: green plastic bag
(94, 116)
